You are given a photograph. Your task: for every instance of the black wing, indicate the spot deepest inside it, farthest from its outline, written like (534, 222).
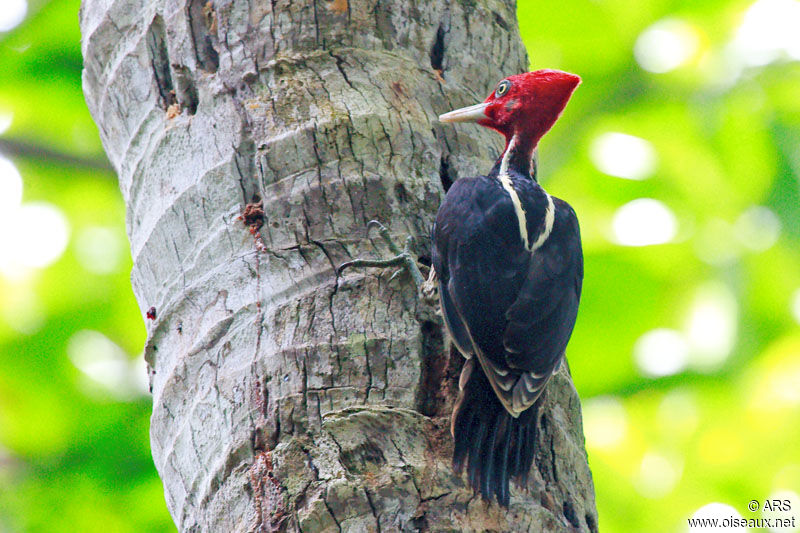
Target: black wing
(455, 324)
(541, 320)
(516, 308)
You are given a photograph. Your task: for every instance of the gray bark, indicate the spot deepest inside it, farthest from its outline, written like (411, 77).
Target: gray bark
(285, 397)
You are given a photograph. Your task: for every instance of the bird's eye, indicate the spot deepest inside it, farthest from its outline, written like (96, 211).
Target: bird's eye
(502, 88)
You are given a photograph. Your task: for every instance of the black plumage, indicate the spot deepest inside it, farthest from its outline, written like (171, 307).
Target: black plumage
(509, 265)
(512, 308)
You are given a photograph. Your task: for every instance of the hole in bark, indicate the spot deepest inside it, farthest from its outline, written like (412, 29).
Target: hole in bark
(591, 522)
(185, 88)
(445, 173)
(500, 20)
(545, 453)
(203, 24)
(159, 60)
(455, 363)
(437, 51)
(431, 394)
(569, 513)
(401, 193)
(440, 372)
(253, 215)
(420, 523)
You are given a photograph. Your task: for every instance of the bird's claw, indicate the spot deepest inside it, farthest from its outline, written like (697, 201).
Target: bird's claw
(384, 233)
(404, 258)
(362, 263)
(428, 288)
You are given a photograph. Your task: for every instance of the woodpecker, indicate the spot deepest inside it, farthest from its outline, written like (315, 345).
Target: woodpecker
(509, 265)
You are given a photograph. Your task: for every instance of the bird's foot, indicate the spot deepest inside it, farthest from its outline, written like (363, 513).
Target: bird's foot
(404, 258)
(428, 289)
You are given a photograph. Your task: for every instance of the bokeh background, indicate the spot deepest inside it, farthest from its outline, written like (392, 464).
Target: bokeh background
(681, 154)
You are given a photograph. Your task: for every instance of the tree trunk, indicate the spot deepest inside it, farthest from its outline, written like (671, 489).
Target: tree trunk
(286, 397)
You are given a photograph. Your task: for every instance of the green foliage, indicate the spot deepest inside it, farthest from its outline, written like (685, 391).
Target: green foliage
(715, 427)
(662, 447)
(74, 456)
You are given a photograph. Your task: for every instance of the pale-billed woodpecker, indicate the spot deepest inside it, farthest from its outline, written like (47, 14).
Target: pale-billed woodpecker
(509, 264)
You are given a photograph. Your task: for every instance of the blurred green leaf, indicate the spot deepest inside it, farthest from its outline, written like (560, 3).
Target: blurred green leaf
(726, 138)
(724, 143)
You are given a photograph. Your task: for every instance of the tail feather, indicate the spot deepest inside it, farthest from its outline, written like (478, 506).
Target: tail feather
(489, 456)
(516, 463)
(527, 442)
(475, 452)
(496, 446)
(461, 448)
(502, 460)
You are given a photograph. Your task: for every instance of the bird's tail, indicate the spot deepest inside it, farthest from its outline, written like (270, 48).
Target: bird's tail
(496, 446)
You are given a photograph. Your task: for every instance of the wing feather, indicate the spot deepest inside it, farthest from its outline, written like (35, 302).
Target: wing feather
(453, 322)
(541, 320)
(515, 310)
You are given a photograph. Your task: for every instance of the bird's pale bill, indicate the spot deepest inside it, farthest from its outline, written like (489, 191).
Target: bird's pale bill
(473, 113)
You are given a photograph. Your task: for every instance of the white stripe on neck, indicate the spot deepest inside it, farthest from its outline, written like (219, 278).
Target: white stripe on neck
(549, 218)
(549, 214)
(505, 181)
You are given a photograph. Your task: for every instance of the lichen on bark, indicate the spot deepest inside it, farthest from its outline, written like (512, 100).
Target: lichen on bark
(286, 397)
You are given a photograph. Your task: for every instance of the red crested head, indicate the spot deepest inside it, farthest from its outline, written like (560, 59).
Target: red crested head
(524, 104)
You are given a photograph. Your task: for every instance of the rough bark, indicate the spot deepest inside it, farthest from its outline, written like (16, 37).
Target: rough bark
(285, 397)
